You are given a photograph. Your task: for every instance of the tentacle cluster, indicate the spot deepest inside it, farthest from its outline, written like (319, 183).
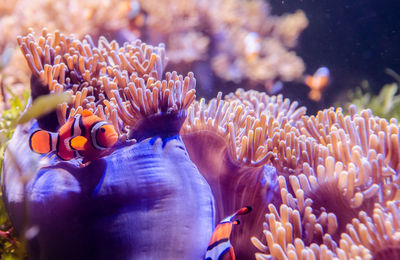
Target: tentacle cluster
(248, 124)
(295, 232)
(334, 170)
(349, 172)
(249, 121)
(122, 84)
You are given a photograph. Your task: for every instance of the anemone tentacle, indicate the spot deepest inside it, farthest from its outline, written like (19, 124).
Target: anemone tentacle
(147, 187)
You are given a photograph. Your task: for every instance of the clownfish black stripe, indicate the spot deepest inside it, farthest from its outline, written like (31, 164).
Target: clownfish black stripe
(50, 142)
(72, 127)
(216, 243)
(58, 143)
(223, 253)
(70, 144)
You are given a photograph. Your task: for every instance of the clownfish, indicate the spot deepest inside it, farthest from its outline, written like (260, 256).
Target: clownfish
(252, 44)
(219, 247)
(85, 135)
(317, 83)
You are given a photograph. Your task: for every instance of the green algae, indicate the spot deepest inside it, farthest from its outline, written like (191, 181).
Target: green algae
(385, 104)
(9, 248)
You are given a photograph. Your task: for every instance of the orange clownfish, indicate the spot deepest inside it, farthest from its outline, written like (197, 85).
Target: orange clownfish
(317, 83)
(85, 135)
(252, 43)
(219, 247)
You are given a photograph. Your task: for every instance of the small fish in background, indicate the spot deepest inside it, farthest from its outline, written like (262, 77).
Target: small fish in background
(85, 135)
(317, 83)
(136, 16)
(273, 87)
(252, 44)
(219, 247)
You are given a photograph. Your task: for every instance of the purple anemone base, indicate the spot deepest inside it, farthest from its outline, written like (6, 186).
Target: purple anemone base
(143, 201)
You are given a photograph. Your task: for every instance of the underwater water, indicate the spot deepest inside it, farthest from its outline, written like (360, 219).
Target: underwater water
(199, 129)
(356, 40)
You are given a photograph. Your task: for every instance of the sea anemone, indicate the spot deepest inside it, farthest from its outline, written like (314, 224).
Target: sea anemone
(325, 186)
(146, 199)
(350, 173)
(231, 141)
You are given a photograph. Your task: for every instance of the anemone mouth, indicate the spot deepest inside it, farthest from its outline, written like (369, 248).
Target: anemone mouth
(389, 252)
(327, 198)
(345, 173)
(162, 124)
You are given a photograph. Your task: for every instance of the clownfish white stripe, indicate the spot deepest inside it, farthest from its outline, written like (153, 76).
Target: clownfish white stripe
(53, 140)
(76, 128)
(228, 219)
(93, 134)
(216, 252)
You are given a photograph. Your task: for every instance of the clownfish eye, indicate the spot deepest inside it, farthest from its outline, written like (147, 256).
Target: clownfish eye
(103, 130)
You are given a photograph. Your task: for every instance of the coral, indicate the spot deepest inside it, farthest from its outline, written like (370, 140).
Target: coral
(239, 39)
(71, 17)
(79, 18)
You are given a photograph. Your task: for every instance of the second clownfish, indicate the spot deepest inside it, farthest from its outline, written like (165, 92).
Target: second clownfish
(85, 135)
(317, 83)
(219, 247)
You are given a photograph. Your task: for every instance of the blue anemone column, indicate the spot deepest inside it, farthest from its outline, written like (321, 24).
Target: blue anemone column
(143, 201)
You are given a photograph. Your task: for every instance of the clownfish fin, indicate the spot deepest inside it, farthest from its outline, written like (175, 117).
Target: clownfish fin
(42, 141)
(241, 211)
(86, 113)
(308, 80)
(78, 143)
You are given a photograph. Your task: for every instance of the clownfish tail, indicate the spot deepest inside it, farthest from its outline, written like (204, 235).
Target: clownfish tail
(42, 141)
